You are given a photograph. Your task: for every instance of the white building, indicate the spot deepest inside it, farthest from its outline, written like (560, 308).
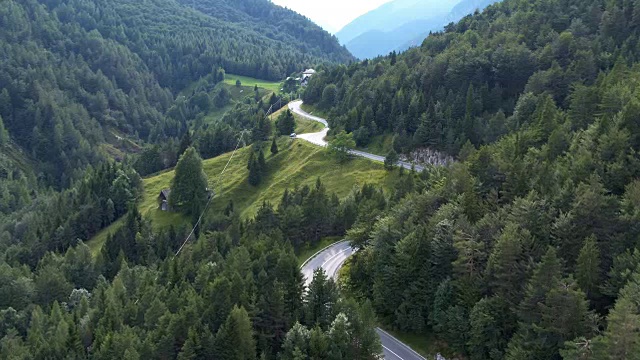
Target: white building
(306, 75)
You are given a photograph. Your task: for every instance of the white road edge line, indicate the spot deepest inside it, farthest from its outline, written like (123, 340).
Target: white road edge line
(332, 257)
(318, 253)
(377, 158)
(380, 329)
(391, 351)
(401, 343)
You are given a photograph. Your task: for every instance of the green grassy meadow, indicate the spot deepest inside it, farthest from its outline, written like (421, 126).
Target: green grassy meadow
(273, 86)
(298, 163)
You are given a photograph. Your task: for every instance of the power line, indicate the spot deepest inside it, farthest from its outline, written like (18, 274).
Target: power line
(218, 182)
(212, 196)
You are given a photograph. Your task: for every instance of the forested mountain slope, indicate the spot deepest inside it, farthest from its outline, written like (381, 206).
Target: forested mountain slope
(73, 67)
(83, 82)
(77, 79)
(464, 84)
(276, 23)
(527, 248)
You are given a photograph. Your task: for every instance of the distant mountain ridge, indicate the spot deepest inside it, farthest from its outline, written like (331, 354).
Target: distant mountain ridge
(393, 15)
(464, 8)
(401, 24)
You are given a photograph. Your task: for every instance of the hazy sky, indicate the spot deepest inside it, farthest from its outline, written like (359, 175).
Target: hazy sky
(331, 14)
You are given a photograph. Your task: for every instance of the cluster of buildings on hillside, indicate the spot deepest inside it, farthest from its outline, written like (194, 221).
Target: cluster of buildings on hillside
(306, 76)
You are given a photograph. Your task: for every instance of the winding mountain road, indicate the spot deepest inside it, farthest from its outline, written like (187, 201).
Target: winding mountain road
(319, 137)
(333, 257)
(331, 260)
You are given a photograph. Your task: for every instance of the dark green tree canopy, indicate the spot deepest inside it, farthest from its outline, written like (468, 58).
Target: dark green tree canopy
(189, 191)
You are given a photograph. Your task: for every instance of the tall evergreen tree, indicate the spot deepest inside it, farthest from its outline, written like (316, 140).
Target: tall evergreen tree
(185, 143)
(391, 160)
(588, 272)
(189, 185)
(234, 340)
(620, 340)
(320, 300)
(4, 135)
(285, 124)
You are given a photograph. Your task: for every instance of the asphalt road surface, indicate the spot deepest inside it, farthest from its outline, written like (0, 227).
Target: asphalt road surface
(331, 260)
(319, 137)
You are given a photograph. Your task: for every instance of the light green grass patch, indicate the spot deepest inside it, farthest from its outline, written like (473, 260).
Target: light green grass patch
(297, 164)
(95, 244)
(311, 109)
(305, 126)
(274, 86)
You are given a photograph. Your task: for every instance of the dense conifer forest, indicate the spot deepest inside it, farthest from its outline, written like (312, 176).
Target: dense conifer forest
(527, 247)
(84, 84)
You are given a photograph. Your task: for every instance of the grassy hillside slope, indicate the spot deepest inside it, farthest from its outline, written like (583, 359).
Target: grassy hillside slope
(298, 163)
(273, 86)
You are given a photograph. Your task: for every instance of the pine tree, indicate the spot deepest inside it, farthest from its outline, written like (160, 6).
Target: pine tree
(621, 341)
(321, 299)
(588, 268)
(565, 316)
(234, 340)
(220, 75)
(192, 347)
(546, 275)
(274, 147)
(469, 117)
(318, 344)
(506, 269)
(391, 160)
(295, 343)
(185, 143)
(262, 163)
(635, 19)
(189, 186)
(255, 173)
(365, 340)
(270, 320)
(4, 135)
(339, 336)
(286, 123)
(491, 323)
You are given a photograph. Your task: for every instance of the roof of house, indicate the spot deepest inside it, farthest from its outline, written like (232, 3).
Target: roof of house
(309, 72)
(165, 193)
